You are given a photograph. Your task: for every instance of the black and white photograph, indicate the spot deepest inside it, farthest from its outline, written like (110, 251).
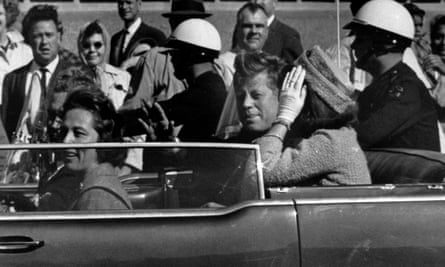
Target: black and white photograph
(222, 133)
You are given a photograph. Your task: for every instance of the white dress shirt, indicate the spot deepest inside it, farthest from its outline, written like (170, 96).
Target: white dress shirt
(51, 68)
(130, 32)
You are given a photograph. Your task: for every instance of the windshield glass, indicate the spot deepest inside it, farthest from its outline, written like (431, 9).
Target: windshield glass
(153, 176)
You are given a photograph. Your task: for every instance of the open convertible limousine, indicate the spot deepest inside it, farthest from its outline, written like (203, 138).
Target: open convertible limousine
(206, 205)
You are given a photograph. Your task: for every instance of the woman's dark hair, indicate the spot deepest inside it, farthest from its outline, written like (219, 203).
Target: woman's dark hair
(105, 121)
(91, 29)
(316, 114)
(73, 78)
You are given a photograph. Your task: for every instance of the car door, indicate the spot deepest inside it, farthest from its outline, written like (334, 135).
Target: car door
(254, 234)
(175, 231)
(388, 225)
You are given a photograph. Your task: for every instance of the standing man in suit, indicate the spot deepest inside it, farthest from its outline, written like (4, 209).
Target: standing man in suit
(283, 41)
(134, 30)
(42, 31)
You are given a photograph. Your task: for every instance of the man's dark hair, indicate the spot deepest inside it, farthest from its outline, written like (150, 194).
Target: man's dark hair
(40, 13)
(414, 10)
(252, 7)
(250, 64)
(436, 23)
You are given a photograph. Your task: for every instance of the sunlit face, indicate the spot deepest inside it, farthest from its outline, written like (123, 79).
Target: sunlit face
(418, 26)
(3, 26)
(128, 9)
(93, 49)
(438, 41)
(257, 104)
(44, 41)
(78, 126)
(269, 5)
(253, 30)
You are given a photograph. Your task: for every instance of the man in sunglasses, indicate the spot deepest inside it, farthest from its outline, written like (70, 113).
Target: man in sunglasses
(42, 31)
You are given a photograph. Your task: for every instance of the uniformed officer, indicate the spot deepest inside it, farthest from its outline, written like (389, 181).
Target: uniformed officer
(395, 110)
(195, 43)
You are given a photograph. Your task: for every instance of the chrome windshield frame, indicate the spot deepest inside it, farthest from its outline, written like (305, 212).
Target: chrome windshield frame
(195, 145)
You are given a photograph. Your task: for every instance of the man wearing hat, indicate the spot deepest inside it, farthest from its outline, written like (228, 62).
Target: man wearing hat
(194, 44)
(153, 76)
(134, 30)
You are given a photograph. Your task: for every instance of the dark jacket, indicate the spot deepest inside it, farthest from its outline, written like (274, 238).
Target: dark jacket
(143, 32)
(396, 111)
(283, 41)
(14, 94)
(198, 108)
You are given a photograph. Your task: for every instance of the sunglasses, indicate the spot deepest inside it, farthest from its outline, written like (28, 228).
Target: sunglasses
(96, 45)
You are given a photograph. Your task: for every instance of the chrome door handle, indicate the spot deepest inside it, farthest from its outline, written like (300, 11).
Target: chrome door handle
(18, 244)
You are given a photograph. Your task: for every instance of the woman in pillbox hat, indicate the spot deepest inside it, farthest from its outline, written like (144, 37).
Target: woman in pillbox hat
(311, 140)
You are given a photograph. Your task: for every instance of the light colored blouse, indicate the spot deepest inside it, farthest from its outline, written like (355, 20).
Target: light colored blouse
(114, 83)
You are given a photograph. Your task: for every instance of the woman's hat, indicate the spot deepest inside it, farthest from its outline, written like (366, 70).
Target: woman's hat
(326, 79)
(191, 8)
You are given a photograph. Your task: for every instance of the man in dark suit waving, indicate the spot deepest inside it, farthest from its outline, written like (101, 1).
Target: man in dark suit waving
(134, 30)
(282, 41)
(42, 31)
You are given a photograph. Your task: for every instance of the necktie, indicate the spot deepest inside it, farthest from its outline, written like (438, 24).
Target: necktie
(43, 72)
(122, 46)
(126, 40)
(37, 109)
(35, 97)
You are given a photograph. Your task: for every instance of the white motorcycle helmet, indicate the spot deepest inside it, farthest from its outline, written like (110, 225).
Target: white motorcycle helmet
(385, 15)
(196, 35)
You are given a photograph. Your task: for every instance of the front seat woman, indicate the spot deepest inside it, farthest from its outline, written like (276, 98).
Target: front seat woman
(88, 180)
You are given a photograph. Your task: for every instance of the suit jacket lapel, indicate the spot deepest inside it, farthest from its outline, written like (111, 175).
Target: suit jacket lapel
(133, 39)
(272, 42)
(274, 25)
(21, 82)
(14, 98)
(52, 82)
(118, 50)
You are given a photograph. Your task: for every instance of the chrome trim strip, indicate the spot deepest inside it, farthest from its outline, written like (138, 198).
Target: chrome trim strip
(254, 147)
(129, 145)
(369, 200)
(142, 214)
(259, 167)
